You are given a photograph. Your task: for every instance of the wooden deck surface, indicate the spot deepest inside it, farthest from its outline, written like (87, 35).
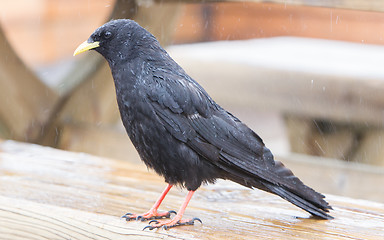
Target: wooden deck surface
(52, 194)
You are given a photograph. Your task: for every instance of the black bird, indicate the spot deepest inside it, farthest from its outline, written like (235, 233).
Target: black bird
(180, 132)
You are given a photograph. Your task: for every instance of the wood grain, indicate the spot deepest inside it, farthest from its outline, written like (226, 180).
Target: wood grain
(53, 194)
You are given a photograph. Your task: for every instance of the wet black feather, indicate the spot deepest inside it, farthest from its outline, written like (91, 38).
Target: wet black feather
(180, 132)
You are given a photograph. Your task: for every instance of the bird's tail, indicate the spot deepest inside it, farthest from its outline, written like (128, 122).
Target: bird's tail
(275, 178)
(292, 189)
(314, 208)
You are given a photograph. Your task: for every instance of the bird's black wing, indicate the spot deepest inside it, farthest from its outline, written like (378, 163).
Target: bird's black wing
(191, 116)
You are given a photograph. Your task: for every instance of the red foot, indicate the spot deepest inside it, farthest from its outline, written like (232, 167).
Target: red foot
(151, 214)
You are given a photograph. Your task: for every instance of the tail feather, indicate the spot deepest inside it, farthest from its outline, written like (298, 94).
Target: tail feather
(315, 208)
(272, 176)
(292, 188)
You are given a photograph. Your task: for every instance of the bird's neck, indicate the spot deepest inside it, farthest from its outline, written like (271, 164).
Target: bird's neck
(128, 75)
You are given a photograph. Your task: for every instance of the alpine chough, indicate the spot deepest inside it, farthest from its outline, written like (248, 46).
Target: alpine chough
(181, 132)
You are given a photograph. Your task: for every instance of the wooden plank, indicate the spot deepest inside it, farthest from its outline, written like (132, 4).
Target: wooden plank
(32, 220)
(349, 142)
(51, 193)
(369, 5)
(371, 148)
(247, 20)
(322, 138)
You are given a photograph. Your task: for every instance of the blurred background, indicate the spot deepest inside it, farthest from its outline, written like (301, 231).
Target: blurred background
(307, 77)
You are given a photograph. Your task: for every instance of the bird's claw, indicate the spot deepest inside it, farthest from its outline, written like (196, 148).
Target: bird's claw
(127, 216)
(192, 221)
(149, 227)
(130, 216)
(155, 221)
(172, 211)
(165, 225)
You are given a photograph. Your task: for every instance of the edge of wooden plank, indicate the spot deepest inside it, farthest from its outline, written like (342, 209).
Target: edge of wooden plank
(22, 219)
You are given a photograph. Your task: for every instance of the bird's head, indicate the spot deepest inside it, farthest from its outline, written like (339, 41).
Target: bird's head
(117, 40)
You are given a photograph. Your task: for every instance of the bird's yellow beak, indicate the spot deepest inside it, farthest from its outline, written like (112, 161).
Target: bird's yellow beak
(85, 46)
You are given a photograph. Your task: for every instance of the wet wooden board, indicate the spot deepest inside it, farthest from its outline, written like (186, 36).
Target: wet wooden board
(52, 194)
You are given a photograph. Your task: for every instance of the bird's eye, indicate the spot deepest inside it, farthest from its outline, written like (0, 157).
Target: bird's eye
(107, 34)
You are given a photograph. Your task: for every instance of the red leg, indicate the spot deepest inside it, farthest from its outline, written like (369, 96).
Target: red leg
(152, 213)
(177, 220)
